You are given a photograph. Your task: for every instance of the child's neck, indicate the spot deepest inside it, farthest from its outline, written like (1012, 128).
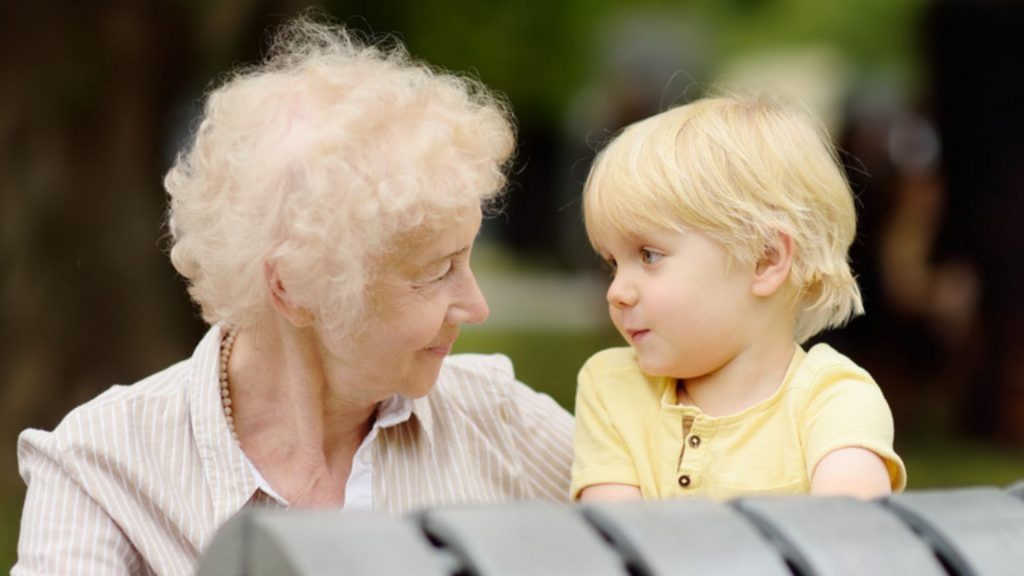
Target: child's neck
(751, 377)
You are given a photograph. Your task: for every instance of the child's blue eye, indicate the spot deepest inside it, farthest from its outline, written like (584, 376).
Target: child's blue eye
(648, 256)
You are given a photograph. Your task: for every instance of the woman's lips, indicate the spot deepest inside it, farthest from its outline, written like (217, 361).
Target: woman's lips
(444, 347)
(441, 350)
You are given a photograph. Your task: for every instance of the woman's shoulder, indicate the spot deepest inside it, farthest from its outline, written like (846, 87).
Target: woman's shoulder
(118, 413)
(483, 387)
(491, 375)
(494, 366)
(167, 386)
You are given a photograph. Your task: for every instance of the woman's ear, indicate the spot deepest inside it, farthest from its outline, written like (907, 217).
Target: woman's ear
(298, 316)
(772, 268)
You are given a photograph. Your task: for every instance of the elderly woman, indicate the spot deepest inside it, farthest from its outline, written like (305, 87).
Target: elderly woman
(324, 217)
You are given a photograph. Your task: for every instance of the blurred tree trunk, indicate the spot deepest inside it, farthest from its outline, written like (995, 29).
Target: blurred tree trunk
(88, 299)
(91, 92)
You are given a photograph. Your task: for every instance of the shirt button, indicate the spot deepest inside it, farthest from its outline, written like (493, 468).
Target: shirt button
(684, 480)
(366, 457)
(694, 441)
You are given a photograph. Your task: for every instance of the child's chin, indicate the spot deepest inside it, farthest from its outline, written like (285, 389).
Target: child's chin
(652, 366)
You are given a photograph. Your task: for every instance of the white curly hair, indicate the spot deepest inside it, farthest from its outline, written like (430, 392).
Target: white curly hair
(316, 161)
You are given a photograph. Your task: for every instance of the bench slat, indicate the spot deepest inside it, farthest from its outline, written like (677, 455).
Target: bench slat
(974, 530)
(1017, 489)
(839, 536)
(525, 539)
(320, 543)
(687, 536)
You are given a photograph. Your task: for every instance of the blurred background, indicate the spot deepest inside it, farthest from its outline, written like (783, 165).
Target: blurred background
(921, 96)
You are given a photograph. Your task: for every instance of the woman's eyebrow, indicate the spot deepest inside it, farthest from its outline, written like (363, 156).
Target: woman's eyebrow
(459, 252)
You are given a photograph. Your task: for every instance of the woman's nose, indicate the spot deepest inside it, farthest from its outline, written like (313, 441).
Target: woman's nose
(472, 306)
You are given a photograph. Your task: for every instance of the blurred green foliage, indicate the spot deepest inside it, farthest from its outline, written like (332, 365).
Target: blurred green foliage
(942, 462)
(872, 33)
(540, 53)
(10, 518)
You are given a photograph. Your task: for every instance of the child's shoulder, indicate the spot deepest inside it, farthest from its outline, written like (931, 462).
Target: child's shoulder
(823, 363)
(616, 366)
(615, 374)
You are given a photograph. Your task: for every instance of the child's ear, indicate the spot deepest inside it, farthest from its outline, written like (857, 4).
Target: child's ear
(772, 268)
(298, 316)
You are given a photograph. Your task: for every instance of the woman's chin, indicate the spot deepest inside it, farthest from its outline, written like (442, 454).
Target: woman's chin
(417, 390)
(423, 381)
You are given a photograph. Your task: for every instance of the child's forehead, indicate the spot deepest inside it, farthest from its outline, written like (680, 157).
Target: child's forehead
(610, 234)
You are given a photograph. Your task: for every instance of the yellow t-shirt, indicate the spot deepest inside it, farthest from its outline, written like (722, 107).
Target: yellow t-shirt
(631, 430)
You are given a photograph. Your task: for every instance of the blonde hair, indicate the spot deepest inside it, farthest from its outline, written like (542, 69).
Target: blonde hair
(741, 169)
(317, 160)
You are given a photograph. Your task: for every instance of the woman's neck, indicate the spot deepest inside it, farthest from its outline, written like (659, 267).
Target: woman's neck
(296, 421)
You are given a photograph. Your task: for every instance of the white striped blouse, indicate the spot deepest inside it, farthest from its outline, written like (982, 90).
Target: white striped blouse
(138, 480)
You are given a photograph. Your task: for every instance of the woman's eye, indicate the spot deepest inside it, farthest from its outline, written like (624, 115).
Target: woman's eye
(648, 256)
(444, 274)
(436, 276)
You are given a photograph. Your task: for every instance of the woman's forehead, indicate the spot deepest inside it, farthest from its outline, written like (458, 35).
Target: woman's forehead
(422, 246)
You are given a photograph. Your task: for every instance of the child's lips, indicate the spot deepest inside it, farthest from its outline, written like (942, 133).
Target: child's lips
(637, 334)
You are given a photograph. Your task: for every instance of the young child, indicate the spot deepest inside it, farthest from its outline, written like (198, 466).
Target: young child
(727, 223)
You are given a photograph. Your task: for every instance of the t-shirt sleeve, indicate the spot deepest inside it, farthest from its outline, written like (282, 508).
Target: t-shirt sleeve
(845, 412)
(601, 454)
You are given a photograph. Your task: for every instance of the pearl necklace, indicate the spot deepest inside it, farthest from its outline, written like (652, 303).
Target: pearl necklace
(225, 391)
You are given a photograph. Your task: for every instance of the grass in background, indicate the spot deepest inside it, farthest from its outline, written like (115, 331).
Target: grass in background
(949, 462)
(10, 517)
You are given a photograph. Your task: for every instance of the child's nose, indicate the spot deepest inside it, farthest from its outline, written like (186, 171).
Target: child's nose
(621, 293)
